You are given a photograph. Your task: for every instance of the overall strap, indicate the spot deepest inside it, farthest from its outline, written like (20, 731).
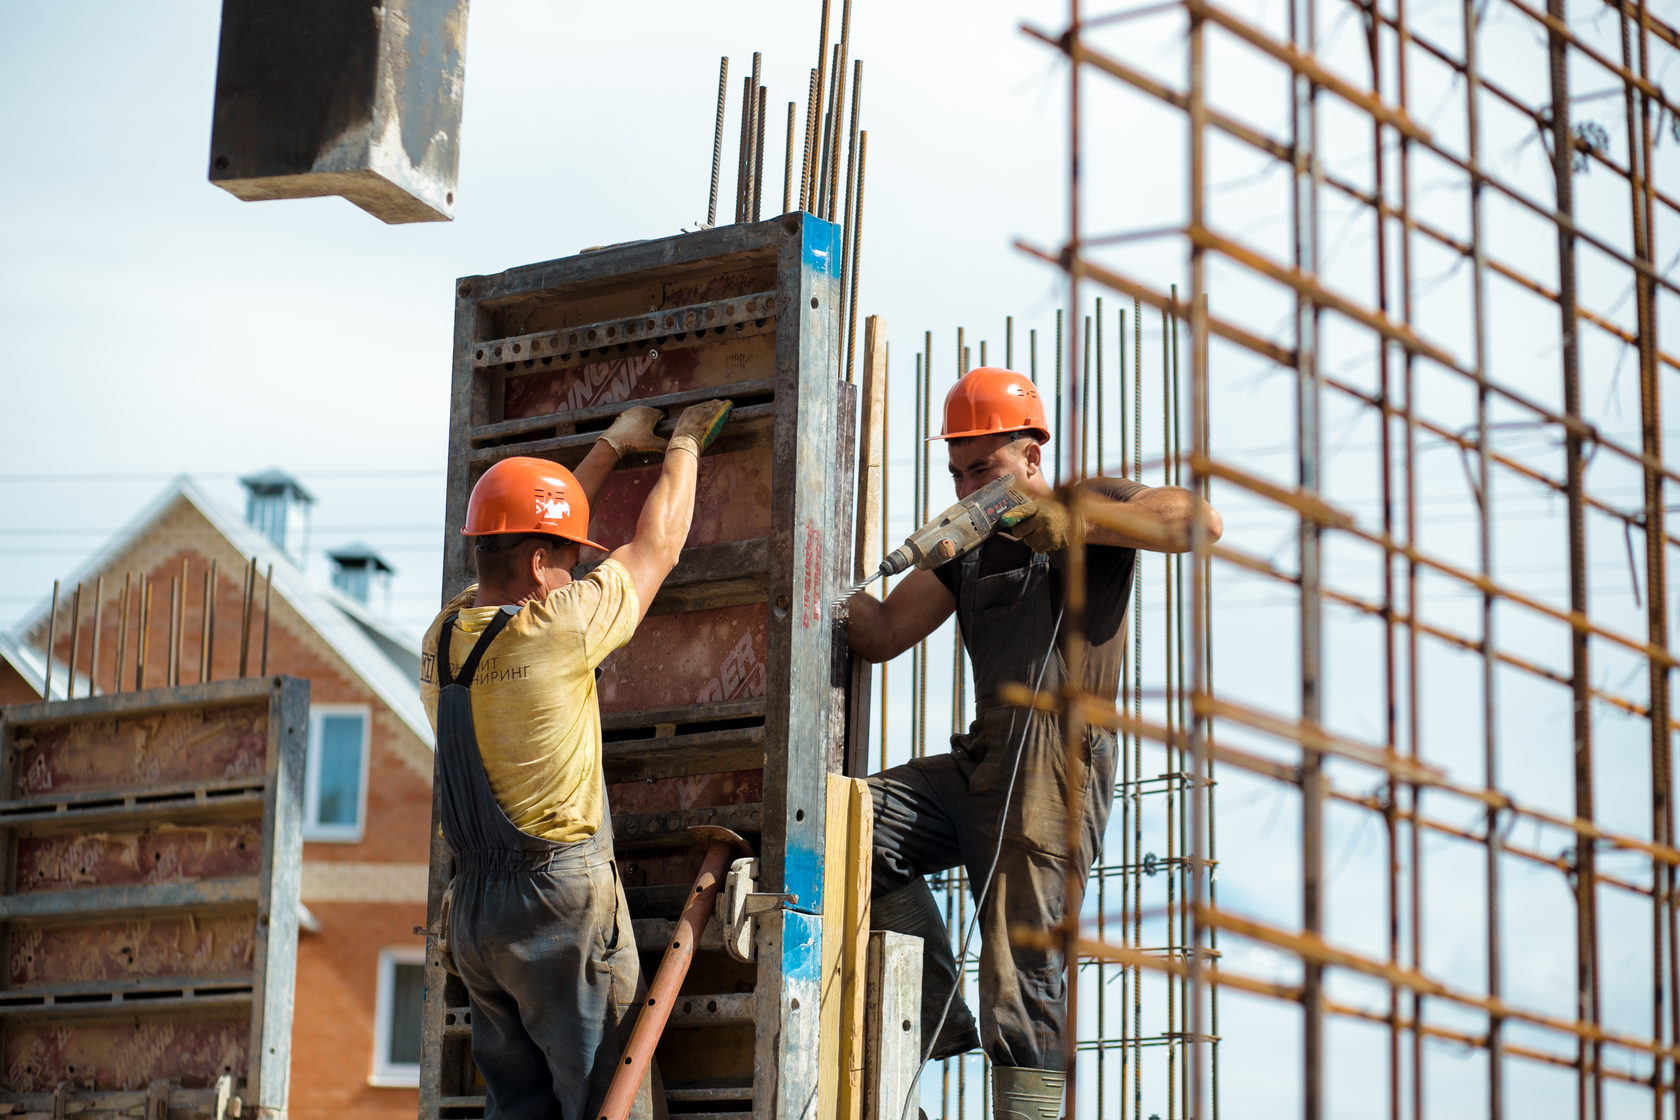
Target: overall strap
(470, 665)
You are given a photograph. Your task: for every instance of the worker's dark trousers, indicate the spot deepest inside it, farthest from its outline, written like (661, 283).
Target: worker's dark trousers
(1005, 776)
(928, 819)
(541, 936)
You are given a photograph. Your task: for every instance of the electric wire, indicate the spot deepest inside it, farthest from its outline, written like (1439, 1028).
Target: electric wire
(991, 872)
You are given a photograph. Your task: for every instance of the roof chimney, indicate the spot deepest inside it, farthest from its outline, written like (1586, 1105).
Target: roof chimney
(278, 508)
(356, 567)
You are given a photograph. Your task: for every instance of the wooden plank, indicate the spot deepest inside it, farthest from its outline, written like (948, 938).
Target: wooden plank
(829, 1073)
(854, 944)
(894, 1024)
(872, 427)
(845, 945)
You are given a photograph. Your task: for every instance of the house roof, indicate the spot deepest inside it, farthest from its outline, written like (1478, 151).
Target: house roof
(359, 555)
(31, 665)
(387, 662)
(276, 481)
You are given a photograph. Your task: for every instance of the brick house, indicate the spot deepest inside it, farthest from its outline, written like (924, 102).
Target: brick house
(355, 1038)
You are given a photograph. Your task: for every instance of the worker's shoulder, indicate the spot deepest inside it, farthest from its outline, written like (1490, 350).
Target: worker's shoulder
(606, 583)
(1114, 489)
(462, 601)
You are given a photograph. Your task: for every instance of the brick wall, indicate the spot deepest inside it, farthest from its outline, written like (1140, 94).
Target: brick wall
(332, 1033)
(13, 688)
(337, 968)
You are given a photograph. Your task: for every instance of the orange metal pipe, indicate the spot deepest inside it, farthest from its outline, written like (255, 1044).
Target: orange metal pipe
(673, 967)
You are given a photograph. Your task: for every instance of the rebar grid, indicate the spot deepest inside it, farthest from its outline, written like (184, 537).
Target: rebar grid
(1144, 863)
(1466, 259)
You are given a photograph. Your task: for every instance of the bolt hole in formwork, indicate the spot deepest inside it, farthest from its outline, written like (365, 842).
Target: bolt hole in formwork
(449, 198)
(800, 815)
(813, 303)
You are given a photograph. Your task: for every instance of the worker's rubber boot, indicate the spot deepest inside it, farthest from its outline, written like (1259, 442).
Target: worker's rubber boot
(911, 909)
(1027, 1094)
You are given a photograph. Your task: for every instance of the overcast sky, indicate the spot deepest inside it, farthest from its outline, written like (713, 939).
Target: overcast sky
(151, 325)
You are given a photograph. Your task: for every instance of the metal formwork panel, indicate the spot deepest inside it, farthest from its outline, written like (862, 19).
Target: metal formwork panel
(151, 846)
(722, 709)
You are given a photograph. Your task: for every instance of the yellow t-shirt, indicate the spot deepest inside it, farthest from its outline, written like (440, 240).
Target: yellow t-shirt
(535, 711)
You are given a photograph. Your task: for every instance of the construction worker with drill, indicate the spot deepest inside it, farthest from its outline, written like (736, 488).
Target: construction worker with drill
(996, 804)
(536, 921)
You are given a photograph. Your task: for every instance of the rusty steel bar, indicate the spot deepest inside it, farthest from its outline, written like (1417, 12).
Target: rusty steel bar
(145, 628)
(814, 118)
(245, 618)
(172, 667)
(843, 52)
(787, 160)
(759, 111)
(805, 203)
(98, 624)
(852, 270)
(268, 594)
(122, 634)
(847, 220)
(1470, 19)
(206, 623)
(743, 151)
(717, 140)
(75, 644)
(52, 640)
(667, 981)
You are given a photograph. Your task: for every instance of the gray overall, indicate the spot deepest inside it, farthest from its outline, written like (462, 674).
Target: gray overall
(541, 932)
(945, 811)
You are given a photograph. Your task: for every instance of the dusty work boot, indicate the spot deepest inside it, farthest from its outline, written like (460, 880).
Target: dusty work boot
(1027, 1094)
(911, 909)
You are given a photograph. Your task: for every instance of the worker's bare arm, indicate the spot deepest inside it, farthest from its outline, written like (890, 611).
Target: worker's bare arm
(880, 631)
(662, 527)
(631, 432)
(1155, 518)
(593, 471)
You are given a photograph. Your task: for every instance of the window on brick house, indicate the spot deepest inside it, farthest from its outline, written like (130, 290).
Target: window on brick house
(396, 1032)
(335, 775)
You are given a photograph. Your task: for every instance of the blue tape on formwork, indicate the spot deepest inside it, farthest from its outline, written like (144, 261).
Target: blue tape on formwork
(802, 876)
(822, 241)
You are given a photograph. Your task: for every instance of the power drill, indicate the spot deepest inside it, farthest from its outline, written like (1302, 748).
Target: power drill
(955, 531)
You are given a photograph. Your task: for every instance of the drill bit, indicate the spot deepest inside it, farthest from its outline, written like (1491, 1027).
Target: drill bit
(856, 587)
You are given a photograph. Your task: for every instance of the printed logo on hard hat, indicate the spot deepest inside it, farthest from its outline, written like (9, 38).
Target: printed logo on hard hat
(552, 505)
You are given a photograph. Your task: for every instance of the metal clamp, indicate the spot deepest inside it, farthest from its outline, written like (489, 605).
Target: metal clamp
(741, 903)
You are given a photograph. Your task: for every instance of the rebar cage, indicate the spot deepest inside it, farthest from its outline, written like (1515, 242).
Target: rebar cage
(1434, 234)
(1426, 395)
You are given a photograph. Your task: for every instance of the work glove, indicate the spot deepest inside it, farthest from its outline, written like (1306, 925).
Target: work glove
(699, 425)
(1041, 525)
(633, 431)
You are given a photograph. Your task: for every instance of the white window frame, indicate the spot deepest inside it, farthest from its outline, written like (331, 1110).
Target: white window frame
(313, 830)
(388, 1074)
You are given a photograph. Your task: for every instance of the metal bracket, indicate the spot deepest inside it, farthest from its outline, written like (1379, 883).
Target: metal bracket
(226, 1103)
(740, 903)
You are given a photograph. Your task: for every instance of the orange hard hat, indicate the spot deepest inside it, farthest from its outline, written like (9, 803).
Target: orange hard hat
(988, 400)
(525, 495)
